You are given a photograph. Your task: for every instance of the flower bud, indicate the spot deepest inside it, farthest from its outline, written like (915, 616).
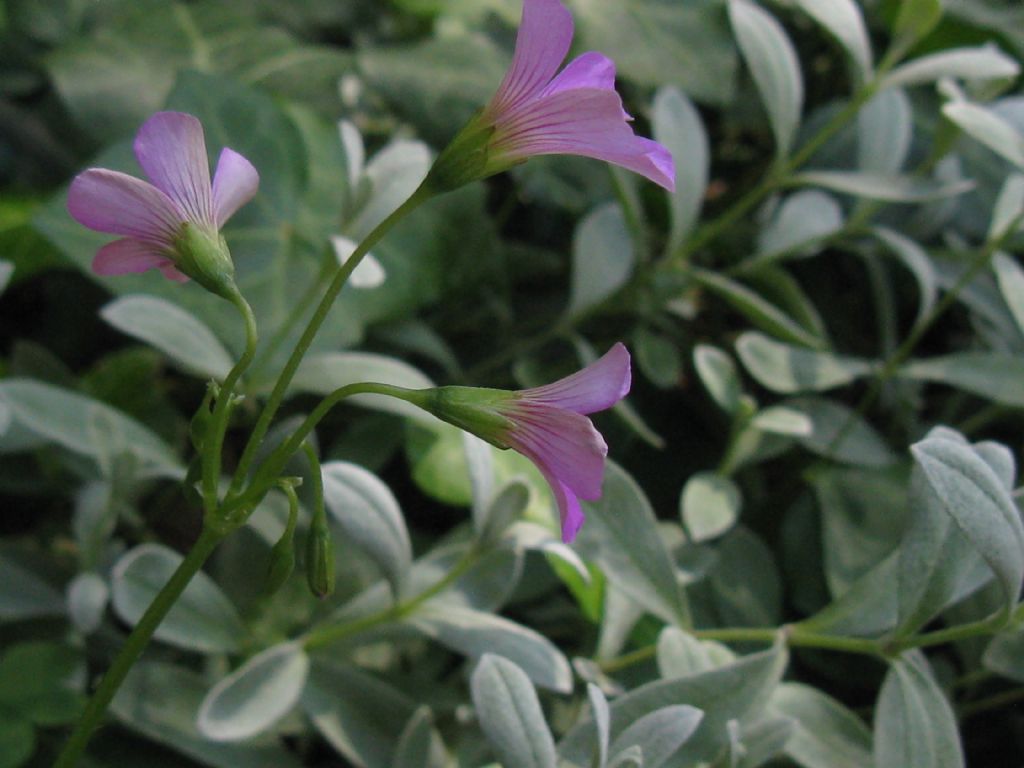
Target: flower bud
(320, 561)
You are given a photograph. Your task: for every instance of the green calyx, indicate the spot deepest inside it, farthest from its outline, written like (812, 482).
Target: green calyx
(203, 255)
(465, 159)
(473, 409)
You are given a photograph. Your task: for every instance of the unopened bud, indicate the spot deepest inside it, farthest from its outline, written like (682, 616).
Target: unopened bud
(320, 561)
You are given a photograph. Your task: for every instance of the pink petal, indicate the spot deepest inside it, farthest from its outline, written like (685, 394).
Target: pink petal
(598, 386)
(113, 202)
(589, 70)
(234, 184)
(560, 442)
(128, 256)
(545, 35)
(171, 149)
(569, 513)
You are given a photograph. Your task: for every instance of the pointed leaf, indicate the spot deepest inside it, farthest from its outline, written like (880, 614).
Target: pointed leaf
(659, 734)
(985, 62)
(826, 734)
(602, 258)
(679, 128)
(845, 22)
(789, 369)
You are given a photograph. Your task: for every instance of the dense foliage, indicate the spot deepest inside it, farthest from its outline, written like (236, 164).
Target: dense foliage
(808, 550)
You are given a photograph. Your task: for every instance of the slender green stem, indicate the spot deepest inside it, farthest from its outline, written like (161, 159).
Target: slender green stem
(995, 701)
(135, 644)
(322, 310)
(332, 633)
(987, 626)
(213, 444)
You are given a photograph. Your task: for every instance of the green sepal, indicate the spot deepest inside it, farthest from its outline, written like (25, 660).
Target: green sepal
(320, 560)
(204, 256)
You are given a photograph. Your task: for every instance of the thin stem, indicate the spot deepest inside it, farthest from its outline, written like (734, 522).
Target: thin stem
(213, 443)
(136, 643)
(996, 701)
(322, 310)
(987, 626)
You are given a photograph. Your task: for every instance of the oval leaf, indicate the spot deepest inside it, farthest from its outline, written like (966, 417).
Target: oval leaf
(788, 369)
(845, 22)
(678, 127)
(710, 505)
(602, 258)
(986, 62)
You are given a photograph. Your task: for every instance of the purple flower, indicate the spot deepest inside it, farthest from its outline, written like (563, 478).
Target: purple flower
(172, 224)
(540, 111)
(548, 425)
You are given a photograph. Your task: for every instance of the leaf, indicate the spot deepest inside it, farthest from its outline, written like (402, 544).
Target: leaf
(1009, 206)
(1005, 655)
(369, 513)
(766, 316)
(773, 65)
(787, 369)
(972, 494)
(1010, 277)
(40, 681)
(392, 176)
(884, 131)
(744, 581)
(994, 131)
(861, 445)
(17, 741)
(826, 734)
(202, 619)
(916, 259)
(916, 19)
(71, 420)
(602, 721)
(419, 745)
(868, 607)
(475, 633)
(659, 734)
(991, 375)
(985, 62)
(510, 714)
(803, 220)
(602, 258)
(914, 723)
(710, 505)
(678, 127)
(23, 595)
(622, 537)
(6, 270)
(845, 22)
(780, 420)
(885, 187)
(368, 274)
(719, 375)
(657, 356)
(174, 331)
(87, 597)
(680, 654)
(731, 692)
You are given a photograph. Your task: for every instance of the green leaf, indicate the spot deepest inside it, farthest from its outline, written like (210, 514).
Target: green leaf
(984, 125)
(916, 19)
(1009, 206)
(884, 131)
(17, 740)
(765, 315)
(678, 127)
(773, 65)
(88, 595)
(992, 375)
(1005, 655)
(710, 505)
(845, 22)
(369, 513)
(256, 695)
(861, 445)
(801, 222)
(390, 177)
(602, 722)
(868, 607)
(884, 187)
(174, 331)
(658, 357)
(972, 494)
(744, 581)
(914, 723)
(38, 681)
(6, 270)
(23, 595)
(680, 654)
(788, 369)
(622, 537)
(475, 633)
(732, 692)
(419, 745)
(780, 420)
(85, 426)
(986, 62)
(659, 734)
(203, 619)
(719, 375)
(826, 734)
(510, 715)
(602, 258)
(916, 259)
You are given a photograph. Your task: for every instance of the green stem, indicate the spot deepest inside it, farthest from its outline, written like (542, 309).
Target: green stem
(996, 701)
(322, 310)
(323, 636)
(213, 444)
(136, 643)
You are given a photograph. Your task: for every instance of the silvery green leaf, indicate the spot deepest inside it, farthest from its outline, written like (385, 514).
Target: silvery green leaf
(369, 513)
(916, 18)
(23, 595)
(176, 332)
(507, 506)
(709, 505)
(256, 695)
(94, 520)
(1010, 278)
(87, 597)
(992, 375)
(510, 714)
(480, 465)
(718, 373)
(1001, 460)
(802, 221)
(868, 607)
(368, 274)
(71, 419)
(744, 581)
(884, 131)
(202, 619)
(355, 152)
(985, 62)
(657, 356)
(845, 22)
(630, 757)
(972, 494)
(880, 186)
(826, 734)
(1005, 655)
(393, 174)
(774, 67)
(985, 126)
(160, 701)
(731, 692)
(419, 745)
(6, 270)
(602, 722)
(759, 741)
(861, 445)
(1009, 206)
(475, 633)
(321, 374)
(680, 654)
(358, 714)
(678, 127)
(916, 259)
(622, 537)
(789, 369)
(5, 417)
(914, 724)
(659, 734)
(780, 420)
(619, 615)
(602, 257)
